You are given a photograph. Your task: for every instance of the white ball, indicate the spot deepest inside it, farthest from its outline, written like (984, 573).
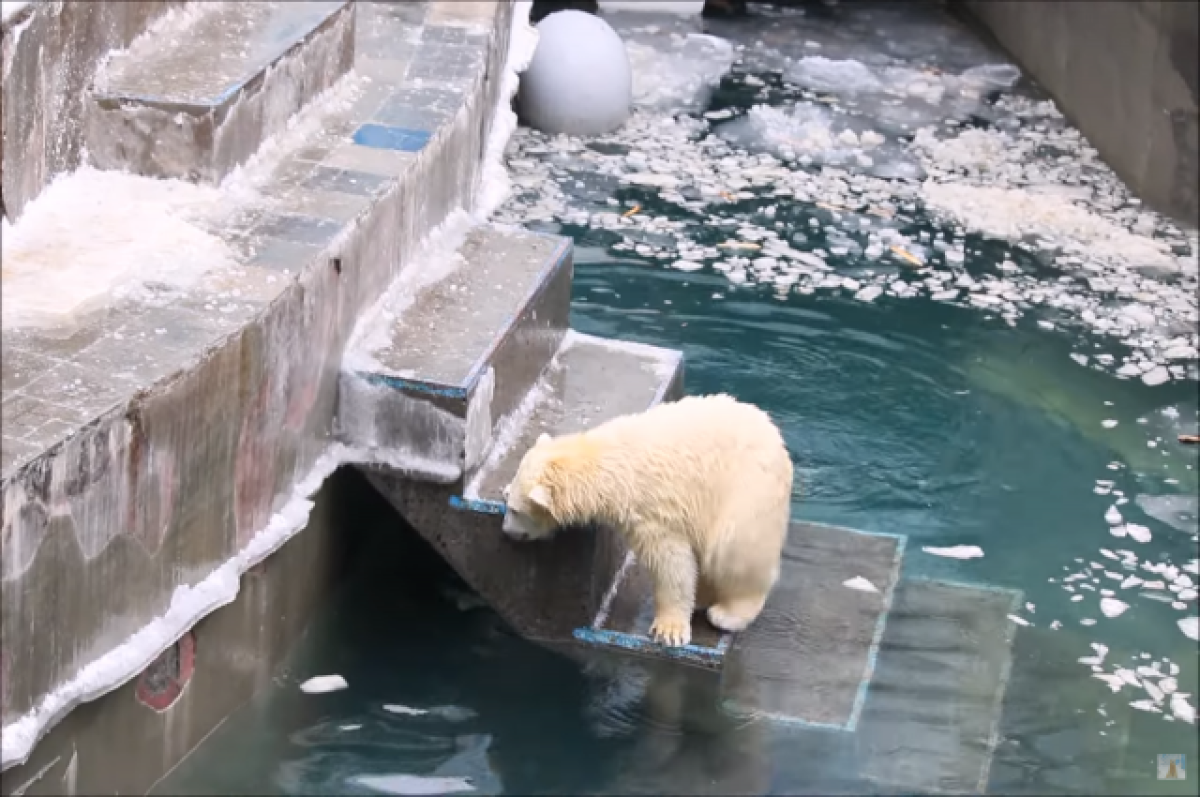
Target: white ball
(579, 81)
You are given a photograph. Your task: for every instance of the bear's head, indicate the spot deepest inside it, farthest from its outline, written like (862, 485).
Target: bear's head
(530, 497)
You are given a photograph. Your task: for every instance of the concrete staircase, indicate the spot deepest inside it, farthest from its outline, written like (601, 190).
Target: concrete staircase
(194, 106)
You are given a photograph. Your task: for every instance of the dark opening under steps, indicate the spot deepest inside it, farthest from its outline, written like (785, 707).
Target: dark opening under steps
(467, 373)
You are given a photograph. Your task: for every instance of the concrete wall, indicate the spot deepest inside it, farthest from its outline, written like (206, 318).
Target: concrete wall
(50, 53)
(125, 741)
(195, 466)
(1125, 73)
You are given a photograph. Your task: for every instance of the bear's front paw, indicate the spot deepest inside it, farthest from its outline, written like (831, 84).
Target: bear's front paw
(671, 630)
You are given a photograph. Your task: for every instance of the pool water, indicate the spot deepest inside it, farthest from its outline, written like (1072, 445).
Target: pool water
(943, 423)
(891, 416)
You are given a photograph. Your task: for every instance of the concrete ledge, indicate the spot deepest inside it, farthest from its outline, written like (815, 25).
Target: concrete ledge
(144, 482)
(50, 52)
(195, 104)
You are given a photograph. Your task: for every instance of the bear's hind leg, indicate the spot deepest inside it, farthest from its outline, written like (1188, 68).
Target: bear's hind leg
(673, 570)
(744, 566)
(736, 614)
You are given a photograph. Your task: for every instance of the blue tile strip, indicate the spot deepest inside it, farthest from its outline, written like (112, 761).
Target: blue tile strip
(704, 656)
(412, 386)
(397, 138)
(480, 505)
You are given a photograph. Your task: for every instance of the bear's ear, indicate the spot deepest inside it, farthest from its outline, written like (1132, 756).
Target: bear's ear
(543, 438)
(540, 496)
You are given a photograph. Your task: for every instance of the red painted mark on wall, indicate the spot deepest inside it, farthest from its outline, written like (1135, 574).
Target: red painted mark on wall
(254, 469)
(161, 684)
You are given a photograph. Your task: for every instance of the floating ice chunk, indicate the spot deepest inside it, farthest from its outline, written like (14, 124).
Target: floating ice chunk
(679, 73)
(955, 551)
(320, 684)
(1138, 532)
(1018, 620)
(1128, 676)
(992, 76)
(687, 265)
(414, 784)
(1114, 682)
(1113, 516)
(869, 293)
(1108, 424)
(819, 73)
(1156, 376)
(393, 708)
(859, 583)
(354, 726)
(1182, 709)
(1145, 705)
(1190, 626)
(1111, 607)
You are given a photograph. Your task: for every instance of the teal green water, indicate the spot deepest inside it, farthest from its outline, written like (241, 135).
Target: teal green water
(907, 417)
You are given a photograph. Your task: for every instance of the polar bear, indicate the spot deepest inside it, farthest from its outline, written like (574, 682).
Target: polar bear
(700, 488)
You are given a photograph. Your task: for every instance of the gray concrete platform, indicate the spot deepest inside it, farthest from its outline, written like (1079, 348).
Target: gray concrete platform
(197, 102)
(442, 366)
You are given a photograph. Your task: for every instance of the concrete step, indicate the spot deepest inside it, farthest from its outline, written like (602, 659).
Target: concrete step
(545, 590)
(931, 722)
(195, 99)
(808, 656)
(422, 388)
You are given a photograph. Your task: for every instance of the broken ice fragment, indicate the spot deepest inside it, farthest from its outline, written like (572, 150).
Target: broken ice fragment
(1156, 376)
(955, 551)
(393, 708)
(1108, 424)
(320, 684)
(859, 583)
(1182, 709)
(1112, 516)
(1018, 620)
(1190, 626)
(1137, 532)
(1113, 607)
(413, 784)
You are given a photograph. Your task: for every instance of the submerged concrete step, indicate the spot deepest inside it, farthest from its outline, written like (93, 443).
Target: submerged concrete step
(931, 722)
(807, 658)
(423, 386)
(547, 589)
(196, 99)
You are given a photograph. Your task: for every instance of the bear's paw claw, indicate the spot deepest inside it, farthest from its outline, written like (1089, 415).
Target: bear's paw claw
(671, 631)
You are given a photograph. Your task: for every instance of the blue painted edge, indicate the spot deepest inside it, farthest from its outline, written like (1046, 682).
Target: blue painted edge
(480, 505)
(864, 686)
(640, 644)
(401, 139)
(556, 261)
(412, 385)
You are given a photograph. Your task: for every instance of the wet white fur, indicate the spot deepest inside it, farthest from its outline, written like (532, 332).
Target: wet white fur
(701, 488)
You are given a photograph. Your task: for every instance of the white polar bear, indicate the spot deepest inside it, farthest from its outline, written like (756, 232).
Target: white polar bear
(701, 489)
